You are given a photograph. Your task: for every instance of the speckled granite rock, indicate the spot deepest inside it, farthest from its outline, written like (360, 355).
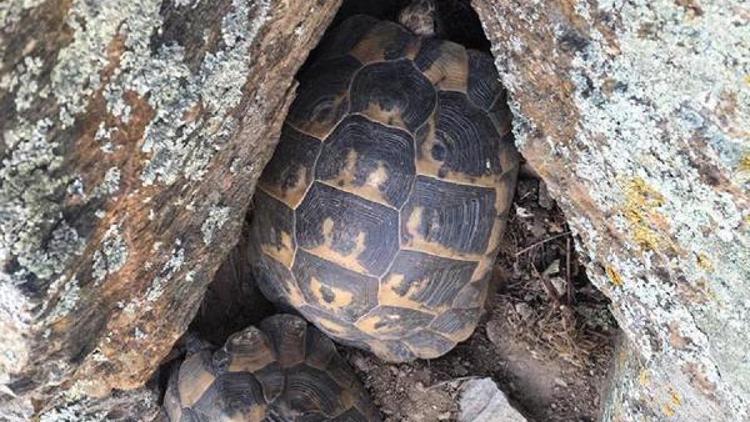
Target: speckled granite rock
(132, 136)
(482, 401)
(637, 116)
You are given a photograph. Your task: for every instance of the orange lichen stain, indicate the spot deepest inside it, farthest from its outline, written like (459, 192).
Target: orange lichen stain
(640, 209)
(614, 276)
(704, 262)
(675, 397)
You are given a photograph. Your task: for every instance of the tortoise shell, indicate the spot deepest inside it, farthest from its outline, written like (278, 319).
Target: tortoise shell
(285, 370)
(380, 214)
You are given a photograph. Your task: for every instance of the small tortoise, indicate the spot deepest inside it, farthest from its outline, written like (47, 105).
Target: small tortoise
(285, 371)
(380, 214)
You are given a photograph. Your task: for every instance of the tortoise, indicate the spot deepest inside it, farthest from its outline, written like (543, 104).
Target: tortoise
(380, 214)
(283, 370)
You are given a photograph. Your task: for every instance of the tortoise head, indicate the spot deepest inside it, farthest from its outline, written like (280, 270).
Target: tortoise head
(421, 17)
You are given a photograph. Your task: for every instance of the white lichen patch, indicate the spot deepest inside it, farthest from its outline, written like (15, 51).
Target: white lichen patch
(217, 216)
(111, 183)
(176, 259)
(111, 255)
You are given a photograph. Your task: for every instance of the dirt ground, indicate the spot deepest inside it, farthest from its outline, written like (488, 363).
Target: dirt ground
(546, 338)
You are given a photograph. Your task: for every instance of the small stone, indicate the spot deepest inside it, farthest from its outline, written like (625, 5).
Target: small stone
(523, 310)
(482, 401)
(545, 200)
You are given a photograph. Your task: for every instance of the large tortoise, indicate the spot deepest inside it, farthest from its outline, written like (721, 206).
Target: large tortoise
(285, 371)
(380, 214)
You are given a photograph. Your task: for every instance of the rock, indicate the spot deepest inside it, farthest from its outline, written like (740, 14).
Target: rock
(141, 404)
(635, 115)
(132, 137)
(481, 401)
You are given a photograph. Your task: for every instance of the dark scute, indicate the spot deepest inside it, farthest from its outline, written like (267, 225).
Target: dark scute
(429, 52)
(456, 216)
(428, 340)
(445, 277)
(295, 152)
(189, 415)
(363, 289)
(351, 215)
(271, 218)
(274, 280)
(374, 144)
(287, 336)
(271, 379)
(468, 137)
(393, 86)
(344, 36)
(484, 81)
(319, 348)
(231, 393)
(455, 320)
(395, 322)
(320, 86)
(353, 337)
(310, 390)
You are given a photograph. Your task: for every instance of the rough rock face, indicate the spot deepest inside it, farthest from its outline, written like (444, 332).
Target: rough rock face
(637, 116)
(132, 136)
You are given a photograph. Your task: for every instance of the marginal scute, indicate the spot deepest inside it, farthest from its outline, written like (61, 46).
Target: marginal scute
(385, 41)
(291, 169)
(393, 322)
(195, 377)
(273, 234)
(322, 98)
(419, 280)
(445, 64)
(484, 82)
(404, 210)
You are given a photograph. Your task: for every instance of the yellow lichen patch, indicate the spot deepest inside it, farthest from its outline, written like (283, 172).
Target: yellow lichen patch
(283, 251)
(614, 276)
(644, 378)
(640, 209)
(330, 297)
(388, 293)
(744, 164)
(747, 79)
(704, 262)
(668, 410)
(675, 397)
(347, 260)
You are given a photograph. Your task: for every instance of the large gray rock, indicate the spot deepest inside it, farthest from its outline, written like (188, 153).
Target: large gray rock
(132, 136)
(637, 115)
(482, 401)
